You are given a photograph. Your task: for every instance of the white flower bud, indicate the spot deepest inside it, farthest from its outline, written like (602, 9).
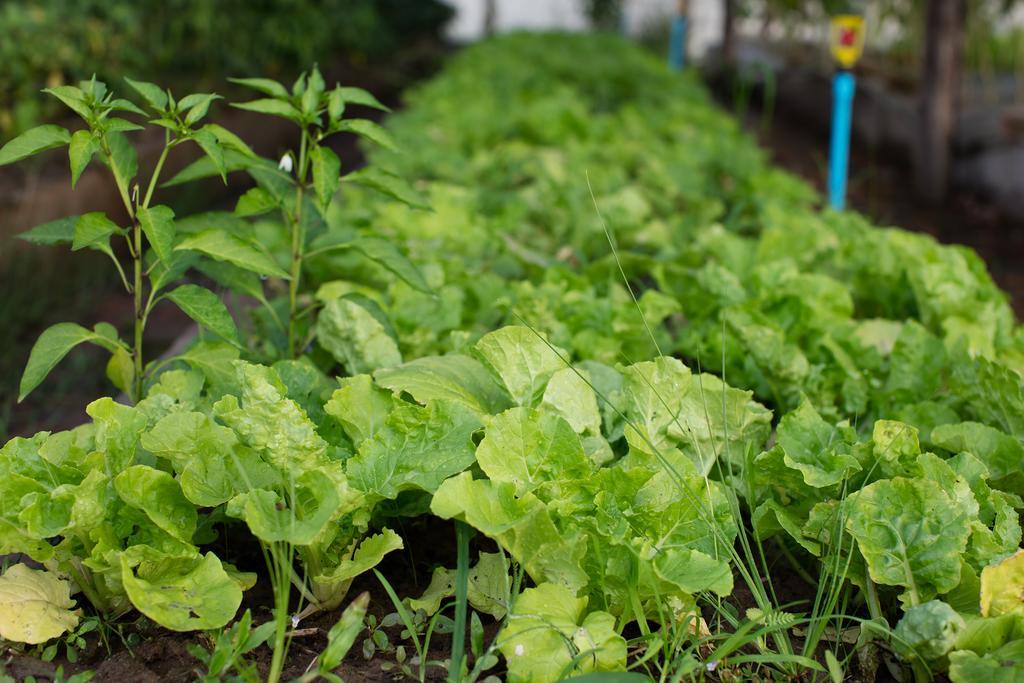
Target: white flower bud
(286, 163)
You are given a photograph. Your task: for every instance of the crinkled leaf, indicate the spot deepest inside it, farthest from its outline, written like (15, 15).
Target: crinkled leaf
(455, 377)
(184, 596)
(418, 448)
(547, 637)
(521, 361)
(355, 337)
(1002, 587)
(158, 495)
(911, 535)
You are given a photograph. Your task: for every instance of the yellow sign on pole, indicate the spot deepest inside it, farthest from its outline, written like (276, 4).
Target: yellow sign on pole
(847, 39)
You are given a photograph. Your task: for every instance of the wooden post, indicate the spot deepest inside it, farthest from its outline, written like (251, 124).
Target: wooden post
(490, 17)
(729, 33)
(938, 92)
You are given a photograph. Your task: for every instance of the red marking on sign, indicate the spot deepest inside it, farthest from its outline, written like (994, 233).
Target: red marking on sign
(847, 37)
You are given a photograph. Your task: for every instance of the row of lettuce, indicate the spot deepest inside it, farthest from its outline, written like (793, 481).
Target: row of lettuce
(584, 220)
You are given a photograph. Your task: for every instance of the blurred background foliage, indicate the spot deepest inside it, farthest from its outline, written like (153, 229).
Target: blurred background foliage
(50, 42)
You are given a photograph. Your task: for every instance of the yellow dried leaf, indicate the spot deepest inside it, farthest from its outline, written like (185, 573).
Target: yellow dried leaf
(35, 605)
(1002, 586)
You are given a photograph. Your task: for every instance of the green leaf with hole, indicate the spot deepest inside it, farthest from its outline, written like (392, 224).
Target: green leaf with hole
(183, 596)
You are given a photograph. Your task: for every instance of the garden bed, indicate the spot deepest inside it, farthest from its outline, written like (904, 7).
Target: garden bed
(575, 347)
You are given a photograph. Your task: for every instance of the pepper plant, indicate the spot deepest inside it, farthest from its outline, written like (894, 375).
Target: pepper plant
(154, 264)
(297, 191)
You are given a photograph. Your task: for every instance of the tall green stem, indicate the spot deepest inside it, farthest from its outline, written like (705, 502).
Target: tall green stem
(298, 245)
(463, 532)
(140, 312)
(279, 561)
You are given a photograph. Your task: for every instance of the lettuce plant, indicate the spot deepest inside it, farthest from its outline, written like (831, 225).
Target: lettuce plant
(94, 504)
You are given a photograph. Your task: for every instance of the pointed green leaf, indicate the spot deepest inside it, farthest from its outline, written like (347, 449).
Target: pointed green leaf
(386, 254)
(208, 142)
(158, 224)
(229, 140)
(93, 229)
(60, 231)
(389, 184)
(207, 309)
(152, 93)
(255, 202)
(197, 106)
(120, 126)
(326, 173)
(204, 167)
(123, 157)
(224, 246)
(272, 108)
(83, 145)
(360, 96)
(33, 141)
(366, 128)
(263, 85)
(73, 98)
(53, 344)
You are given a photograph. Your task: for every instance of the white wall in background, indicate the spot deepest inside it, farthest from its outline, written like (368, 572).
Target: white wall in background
(705, 18)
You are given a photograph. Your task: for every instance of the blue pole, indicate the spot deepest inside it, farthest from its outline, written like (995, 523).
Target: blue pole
(843, 87)
(677, 42)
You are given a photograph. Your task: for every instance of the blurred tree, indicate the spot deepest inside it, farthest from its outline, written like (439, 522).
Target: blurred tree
(729, 32)
(937, 95)
(605, 15)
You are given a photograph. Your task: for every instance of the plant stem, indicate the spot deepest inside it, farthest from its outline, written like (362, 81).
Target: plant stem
(297, 247)
(168, 143)
(280, 559)
(463, 532)
(874, 607)
(140, 313)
